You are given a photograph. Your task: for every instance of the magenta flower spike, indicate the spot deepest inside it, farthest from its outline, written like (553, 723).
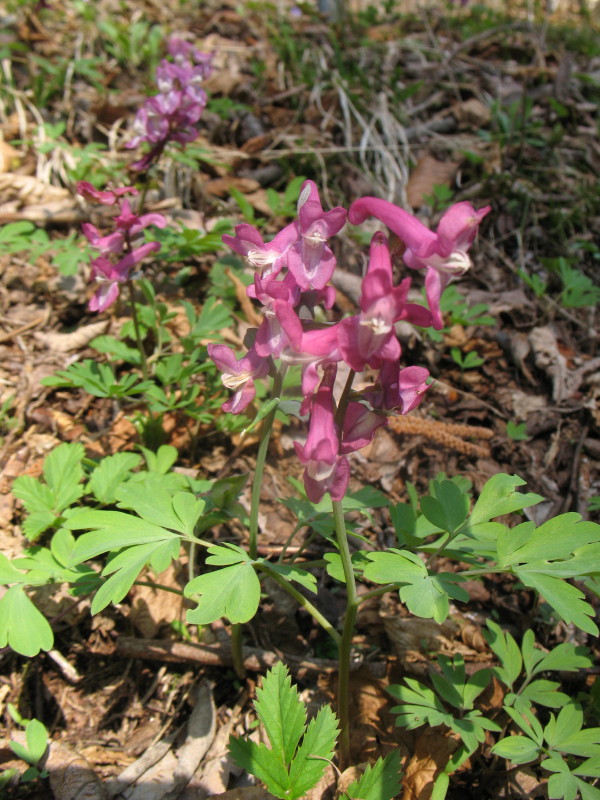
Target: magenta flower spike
(112, 243)
(270, 257)
(444, 253)
(134, 224)
(238, 375)
(325, 470)
(398, 390)
(311, 261)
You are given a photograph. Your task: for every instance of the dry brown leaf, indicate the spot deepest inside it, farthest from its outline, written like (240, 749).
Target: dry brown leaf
(432, 751)
(76, 340)
(429, 172)
(549, 359)
(152, 608)
(27, 190)
(414, 639)
(221, 187)
(245, 793)
(71, 776)
(472, 113)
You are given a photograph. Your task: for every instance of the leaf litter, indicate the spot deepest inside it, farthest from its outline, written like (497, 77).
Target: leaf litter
(476, 136)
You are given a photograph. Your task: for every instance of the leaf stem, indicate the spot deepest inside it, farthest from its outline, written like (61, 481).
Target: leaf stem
(136, 327)
(237, 653)
(261, 457)
(389, 587)
(302, 601)
(347, 631)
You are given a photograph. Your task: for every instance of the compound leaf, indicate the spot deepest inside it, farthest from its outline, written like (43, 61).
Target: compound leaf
(378, 782)
(316, 749)
(499, 497)
(281, 712)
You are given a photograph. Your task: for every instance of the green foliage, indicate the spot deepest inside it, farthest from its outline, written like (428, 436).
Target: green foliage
(23, 237)
(380, 781)
(517, 431)
(45, 501)
(32, 752)
(299, 751)
(97, 379)
(578, 290)
(470, 360)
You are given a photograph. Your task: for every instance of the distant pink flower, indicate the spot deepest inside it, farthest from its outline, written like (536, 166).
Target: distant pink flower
(444, 253)
(110, 275)
(108, 197)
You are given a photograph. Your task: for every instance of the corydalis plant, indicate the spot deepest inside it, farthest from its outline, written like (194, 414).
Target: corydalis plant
(172, 114)
(118, 251)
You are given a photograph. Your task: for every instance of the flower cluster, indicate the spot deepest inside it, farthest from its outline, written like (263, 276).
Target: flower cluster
(171, 115)
(117, 251)
(296, 267)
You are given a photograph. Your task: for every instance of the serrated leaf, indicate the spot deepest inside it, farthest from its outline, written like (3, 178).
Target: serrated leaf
(394, 566)
(261, 762)
(281, 712)
(232, 592)
(22, 627)
(381, 781)
(499, 497)
(109, 474)
(316, 749)
(518, 749)
(36, 496)
(568, 601)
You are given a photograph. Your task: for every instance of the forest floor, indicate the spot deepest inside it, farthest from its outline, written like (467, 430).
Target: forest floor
(424, 109)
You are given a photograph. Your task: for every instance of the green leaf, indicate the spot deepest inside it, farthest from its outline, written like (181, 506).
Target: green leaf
(448, 509)
(394, 566)
(418, 705)
(155, 506)
(36, 736)
(499, 497)
(507, 650)
(8, 574)
(36, 496)
(22, 627)
(162, 460)
(113, 530)
(378, 782)
(316, 749)
(518, 749)
(335, 568)
(232, 592)
(293, 573)
(63, 473)
(281, 712)
(261, 762)
(109, 474)
(568, 601)
(429, 596)
(557, 538)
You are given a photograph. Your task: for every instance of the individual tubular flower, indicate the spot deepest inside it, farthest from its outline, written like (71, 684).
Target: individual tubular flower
(360, 424)
(310, 260)
(370, 337)
(443, 253)
(269, 257)
(398, 390)
(324, 469)
(110, 275)
(238, 375)
(270, 336)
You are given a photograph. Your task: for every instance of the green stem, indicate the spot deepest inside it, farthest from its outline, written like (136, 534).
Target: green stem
(347, 632)
(261, 458)
(302, 601)
(389, 587)
(237, 653)
(160, 586)
(136, 327)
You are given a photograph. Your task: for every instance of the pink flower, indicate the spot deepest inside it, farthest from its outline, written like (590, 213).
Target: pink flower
(444, 253)
(399, 390)
(325, 470)
(370, 337)
(108, 197)
(270, 257)
(109, 275)
(311, 261)
(238, 375)
(134, 224)
(360, 424)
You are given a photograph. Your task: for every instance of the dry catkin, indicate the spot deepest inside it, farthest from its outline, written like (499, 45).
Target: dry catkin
(448, 434)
